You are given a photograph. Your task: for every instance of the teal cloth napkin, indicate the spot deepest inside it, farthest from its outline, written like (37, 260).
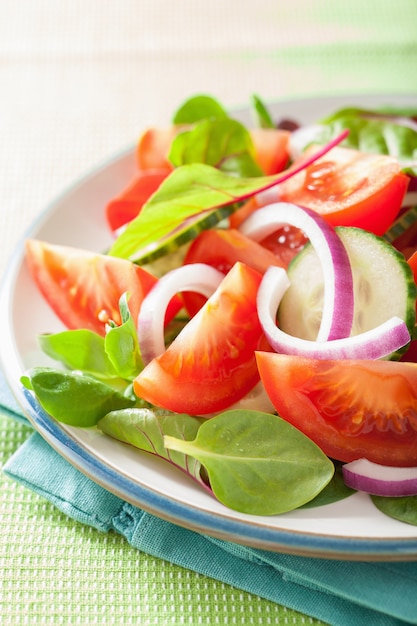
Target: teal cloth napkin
(342, 593)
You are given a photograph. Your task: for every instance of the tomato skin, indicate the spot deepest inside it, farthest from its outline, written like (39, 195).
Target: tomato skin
(271, 149)
(127, 205)
(153, 148)
(351, 409)
(211, 364)
(350, 188)
(222, 249)
(83, 288)
(285, 243)
(247, 208)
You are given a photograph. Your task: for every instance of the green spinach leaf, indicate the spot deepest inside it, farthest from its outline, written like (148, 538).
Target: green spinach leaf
(403, 508)
(121, 344)
(72, 397)
(79, 350)
(334, 491)
(145, 429)
(256, 462)
(371, 132)
(223, 143)
(199, 108)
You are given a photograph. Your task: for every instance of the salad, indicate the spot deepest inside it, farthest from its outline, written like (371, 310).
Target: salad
(253, 321)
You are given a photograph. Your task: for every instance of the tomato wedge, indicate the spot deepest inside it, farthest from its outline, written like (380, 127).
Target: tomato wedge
(211, 364)
(350, 188)
(271, 148)
(127, 205)
(222, 249)
(351, 409)
(83, 288)
(153, 148)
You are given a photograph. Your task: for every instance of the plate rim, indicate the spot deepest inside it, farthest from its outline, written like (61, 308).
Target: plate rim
(240, 531)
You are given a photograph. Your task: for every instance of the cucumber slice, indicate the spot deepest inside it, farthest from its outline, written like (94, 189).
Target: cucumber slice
(382, 280)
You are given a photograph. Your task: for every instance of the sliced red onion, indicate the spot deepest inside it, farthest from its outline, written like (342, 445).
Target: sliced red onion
(376, 343)
(197, 277)
(338, 299)
(380, 480)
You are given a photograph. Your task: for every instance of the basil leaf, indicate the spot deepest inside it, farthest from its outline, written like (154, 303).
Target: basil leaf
(145, 429)
(121, 344)
(222, 143)
(199, 108)
(73, 398)
(256, 462)
(261, 114)
(403, 508)
(79, 349)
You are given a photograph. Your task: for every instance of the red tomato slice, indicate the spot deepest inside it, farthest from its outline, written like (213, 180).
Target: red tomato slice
(350, 188)
(243, 213)
(84, 288)
(211, 364)
(222, 249)
(127, 205)
(285, 243)
(153, 148)
(351, 409)
(271, 149)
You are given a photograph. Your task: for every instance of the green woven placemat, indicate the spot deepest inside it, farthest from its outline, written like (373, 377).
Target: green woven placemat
(57, 571)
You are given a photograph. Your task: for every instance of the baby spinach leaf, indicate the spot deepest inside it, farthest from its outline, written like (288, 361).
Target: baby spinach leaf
(79, 350)
(262, 116)
(145, 429)
(112, 359)
(222, 143)
(334, 491)
(403, 508)
(121, 344)
(256, 462)
(373, 133)
(73, 398)
(191, 195)
(199, 108)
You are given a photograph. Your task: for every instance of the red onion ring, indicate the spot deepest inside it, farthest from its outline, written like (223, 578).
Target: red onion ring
(376, 343)
(380, 480)
(338, 301)
(197, 277)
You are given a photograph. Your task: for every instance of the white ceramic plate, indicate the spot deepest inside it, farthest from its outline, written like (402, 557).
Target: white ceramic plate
(350, 529)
